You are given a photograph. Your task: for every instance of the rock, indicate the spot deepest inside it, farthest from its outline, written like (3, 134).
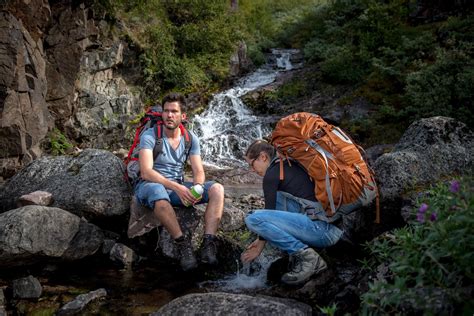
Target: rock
(90, 185)
(28, 287)
(240, 63)
(107, 246)
(3, 303)
(35, 198)
(142, 219)
(374, 152)
(229, 304)
(80, 302)
(429, 149)
(232, 218)
(33, 234)
(123, 255)
(24, 115)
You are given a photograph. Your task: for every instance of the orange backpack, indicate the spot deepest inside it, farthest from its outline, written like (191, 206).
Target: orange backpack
(330, 157)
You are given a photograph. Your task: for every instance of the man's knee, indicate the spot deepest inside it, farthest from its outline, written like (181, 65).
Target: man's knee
(216, 191)
(162, 205)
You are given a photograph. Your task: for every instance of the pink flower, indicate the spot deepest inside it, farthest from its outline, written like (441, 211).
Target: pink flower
(423, 208)
(454, 187)
(433, 217)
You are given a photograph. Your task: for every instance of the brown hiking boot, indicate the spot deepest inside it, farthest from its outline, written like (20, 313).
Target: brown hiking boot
(305, 263)
(187, 260)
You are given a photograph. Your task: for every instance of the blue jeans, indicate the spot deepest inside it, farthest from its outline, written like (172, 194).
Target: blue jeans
(148, 193)
(289, 229)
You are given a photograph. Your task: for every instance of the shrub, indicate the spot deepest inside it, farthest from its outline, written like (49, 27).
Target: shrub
(429, 261)
(445, 87)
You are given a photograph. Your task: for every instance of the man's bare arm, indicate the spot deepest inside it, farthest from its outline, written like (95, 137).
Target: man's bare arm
(198, 169)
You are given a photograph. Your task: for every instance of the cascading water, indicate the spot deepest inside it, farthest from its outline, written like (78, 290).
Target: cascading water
(227, 126)
(225, 130)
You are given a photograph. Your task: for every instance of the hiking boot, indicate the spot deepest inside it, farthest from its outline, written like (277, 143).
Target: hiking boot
(187, 260)
(209, 250)
(305, 263)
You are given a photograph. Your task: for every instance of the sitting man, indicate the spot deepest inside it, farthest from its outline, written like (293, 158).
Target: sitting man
(282, 222)
(162, 183)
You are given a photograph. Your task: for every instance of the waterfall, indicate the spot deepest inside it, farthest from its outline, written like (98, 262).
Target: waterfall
(227, 127)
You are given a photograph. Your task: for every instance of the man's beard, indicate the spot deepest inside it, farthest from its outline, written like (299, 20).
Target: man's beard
(172, 127)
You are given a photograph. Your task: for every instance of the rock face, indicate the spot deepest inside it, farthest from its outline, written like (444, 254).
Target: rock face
(229, 304)
(24, 117)
(429, 149)
(34, 233)
(90, 185)
(61, 66)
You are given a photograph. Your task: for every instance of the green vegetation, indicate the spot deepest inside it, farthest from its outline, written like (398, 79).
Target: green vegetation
(186, 45)
(429, 261)
(59, 144)
(405, 71)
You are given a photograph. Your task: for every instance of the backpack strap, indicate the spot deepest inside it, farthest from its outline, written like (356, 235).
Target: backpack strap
(318, 148)
(158, 149)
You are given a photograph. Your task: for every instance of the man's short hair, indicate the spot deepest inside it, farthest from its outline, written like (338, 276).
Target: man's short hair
(175, 97)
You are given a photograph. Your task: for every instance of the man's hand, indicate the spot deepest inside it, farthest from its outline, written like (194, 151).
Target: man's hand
(185, 195)
(253, 251)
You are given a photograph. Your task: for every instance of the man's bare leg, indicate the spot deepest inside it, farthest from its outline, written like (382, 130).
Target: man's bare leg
(167, 217)
(165, 213)
(214, 209)
(212, 218)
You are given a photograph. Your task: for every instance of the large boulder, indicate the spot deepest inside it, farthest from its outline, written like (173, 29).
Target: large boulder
(90, 185)
(232, 304)
(34, 233)
(429, 149)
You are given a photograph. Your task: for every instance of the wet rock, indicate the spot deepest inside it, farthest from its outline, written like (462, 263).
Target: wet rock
(33, 234)
(28, 287)
(107, 246)
(35, 198)
(230, 304)
(240, 63)
(90, 185)
(3, 303)
(123, 255)
(80, 302)
(429, 149)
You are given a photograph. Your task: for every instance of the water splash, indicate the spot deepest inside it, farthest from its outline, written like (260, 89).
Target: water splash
(228, 127)
(246, 278)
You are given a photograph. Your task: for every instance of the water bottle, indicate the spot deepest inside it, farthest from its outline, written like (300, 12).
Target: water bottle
(197, 190)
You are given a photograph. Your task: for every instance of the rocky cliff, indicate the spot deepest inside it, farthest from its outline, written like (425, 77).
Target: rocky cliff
(61, 65)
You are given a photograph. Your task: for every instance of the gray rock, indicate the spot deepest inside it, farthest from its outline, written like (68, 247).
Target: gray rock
(80, 302)
(228, 304)
(35, 198)
(429, 149)
(28, 287)
(33, 234)
(24, 116)
(90, 185)
(123, 255)
(3, 303)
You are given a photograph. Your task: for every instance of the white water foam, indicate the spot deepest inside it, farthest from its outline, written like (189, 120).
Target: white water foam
(227, 127)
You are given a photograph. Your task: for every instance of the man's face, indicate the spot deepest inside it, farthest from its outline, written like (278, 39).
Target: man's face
(172, 115)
